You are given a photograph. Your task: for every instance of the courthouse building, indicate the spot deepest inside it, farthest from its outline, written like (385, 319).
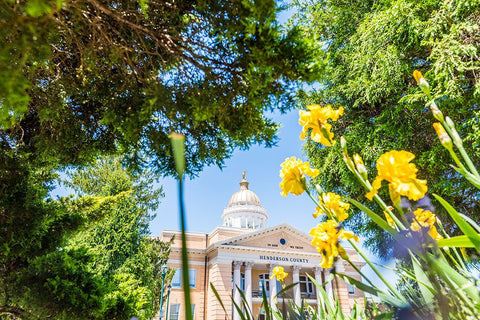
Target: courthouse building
(242, 253)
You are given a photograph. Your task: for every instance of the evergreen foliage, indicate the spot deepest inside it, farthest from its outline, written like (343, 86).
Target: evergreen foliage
(38, 276)
(369, 50)
(88, 257)
(117, 206)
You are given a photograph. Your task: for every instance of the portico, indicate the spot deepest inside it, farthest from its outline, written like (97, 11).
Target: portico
(254, 291)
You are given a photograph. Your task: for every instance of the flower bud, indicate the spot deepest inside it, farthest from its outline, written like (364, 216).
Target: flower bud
(343, 142)
(348, 162)
(443, 136)
(360, 166)
(437, 114)
(417, 75)
(422, 83)
(346, 158)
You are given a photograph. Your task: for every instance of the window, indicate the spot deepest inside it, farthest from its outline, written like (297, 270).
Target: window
(177, 278)
(192, 277)
(250, 222)
(174, 312)
(306, 286)
(261, 314)
(242, 281)
(264, 282)
(193, 311)
(351, 289)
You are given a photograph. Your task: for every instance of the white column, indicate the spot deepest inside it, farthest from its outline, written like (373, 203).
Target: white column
(296, 289)
(318, 278)
(328, 286)
(248, 285)
(236, 284)
(273, 288)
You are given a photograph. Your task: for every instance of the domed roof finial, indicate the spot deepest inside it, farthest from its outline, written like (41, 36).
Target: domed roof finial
(244, 183)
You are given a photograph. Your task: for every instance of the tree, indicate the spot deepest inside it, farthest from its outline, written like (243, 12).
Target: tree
(91, 76)
(370, 49)
(80, 258)
(117, 205)
(39, 278)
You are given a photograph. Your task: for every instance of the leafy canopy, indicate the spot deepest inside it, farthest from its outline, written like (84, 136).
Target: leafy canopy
(94, 76)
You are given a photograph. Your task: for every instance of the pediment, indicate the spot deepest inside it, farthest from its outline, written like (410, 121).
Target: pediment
(281, 237)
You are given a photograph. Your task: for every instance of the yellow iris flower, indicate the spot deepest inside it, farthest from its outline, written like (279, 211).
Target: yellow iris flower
(333, 203)
(316, 119)
(325, 239)
(425, 219)
(293, 174)
(395, 167)
(279, 273)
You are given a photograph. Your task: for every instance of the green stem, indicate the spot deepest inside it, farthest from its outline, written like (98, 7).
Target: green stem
(311, 197)
(185, 278)
(382, 204)
(459, 260)
(456, 159)
(467, 159)
(459, 145)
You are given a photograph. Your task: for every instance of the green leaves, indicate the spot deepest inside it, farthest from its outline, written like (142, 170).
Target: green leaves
(456, 242)
(125, 89)
(115, 204)
(468, 230)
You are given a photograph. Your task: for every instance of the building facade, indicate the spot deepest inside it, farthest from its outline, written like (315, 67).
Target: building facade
(241, 254)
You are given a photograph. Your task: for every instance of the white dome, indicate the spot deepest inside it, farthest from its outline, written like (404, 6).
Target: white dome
(244, 209)
(244, 196)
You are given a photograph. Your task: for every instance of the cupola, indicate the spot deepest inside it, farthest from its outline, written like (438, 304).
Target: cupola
(244, 209)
